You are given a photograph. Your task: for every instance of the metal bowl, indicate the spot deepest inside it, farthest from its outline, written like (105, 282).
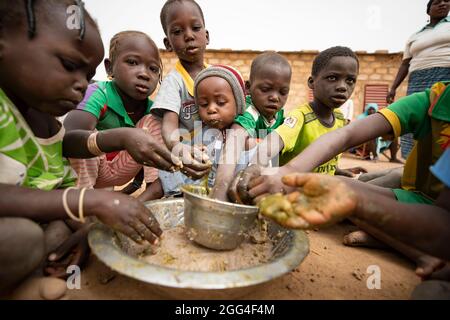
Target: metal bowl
(216, 224)
(289, 251)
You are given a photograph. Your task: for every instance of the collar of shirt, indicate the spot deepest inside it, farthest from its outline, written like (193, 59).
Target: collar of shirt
(114, 102)
(446, 19)
(187, 79)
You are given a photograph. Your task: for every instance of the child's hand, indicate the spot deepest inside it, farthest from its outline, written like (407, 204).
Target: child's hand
(254, 183)
(126, 215)
(319, 201)
(195, 160)
(350, 172)
(147, 150)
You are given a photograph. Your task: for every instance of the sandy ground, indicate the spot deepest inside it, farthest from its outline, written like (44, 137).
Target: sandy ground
(330, 271)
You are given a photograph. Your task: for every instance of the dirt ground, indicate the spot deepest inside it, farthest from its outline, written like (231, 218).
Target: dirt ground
(330, 271)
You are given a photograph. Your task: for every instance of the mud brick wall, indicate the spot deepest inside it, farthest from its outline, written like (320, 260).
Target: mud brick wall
(379, 68)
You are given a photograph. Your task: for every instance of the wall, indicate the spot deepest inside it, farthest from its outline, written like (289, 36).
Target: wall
(375, 68)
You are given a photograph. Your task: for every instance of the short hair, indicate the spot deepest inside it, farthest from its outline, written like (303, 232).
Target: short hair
(114, 45)
(168, 4)
(13, 14)
(268, 58)
(430, 3)
(324, 57)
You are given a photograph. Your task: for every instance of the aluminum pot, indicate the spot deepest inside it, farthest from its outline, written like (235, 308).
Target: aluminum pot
(216, 224)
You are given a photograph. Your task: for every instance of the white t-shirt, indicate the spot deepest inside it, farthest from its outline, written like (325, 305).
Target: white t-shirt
(347, 109)
(430, 47)
(176, 94)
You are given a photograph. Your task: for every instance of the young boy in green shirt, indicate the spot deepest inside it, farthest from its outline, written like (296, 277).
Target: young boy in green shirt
(268, 88)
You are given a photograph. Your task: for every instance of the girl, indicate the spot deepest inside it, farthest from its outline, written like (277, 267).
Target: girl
(32, 167)
(134, 65)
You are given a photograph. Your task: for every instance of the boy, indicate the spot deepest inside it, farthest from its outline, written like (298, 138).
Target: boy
(424, 114)
(324, 200)
(332, 80)
(268, 88)
(32, 166)
(184, 26)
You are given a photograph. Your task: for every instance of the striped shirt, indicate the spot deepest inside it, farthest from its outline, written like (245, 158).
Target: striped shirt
(29, 161)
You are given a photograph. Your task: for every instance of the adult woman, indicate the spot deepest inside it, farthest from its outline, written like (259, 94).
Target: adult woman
(426, 58)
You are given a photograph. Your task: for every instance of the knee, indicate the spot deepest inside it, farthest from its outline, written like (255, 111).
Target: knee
(22, 249)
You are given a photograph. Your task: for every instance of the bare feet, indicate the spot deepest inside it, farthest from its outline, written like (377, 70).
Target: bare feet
(396, 161)
(73, 251)
(442, 274)
(55, 234)
(362, 239)
(426, 265)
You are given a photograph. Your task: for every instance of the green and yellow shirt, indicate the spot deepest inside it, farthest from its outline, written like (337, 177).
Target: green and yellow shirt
(29, 161)
(301, 128)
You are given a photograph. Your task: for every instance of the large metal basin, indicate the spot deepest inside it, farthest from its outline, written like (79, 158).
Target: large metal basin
(288, 253)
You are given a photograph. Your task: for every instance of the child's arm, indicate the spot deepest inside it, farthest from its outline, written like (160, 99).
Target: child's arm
(322, 150)
(121, 212)
(234, 146)
(349, 172)
(142, 147)
(333, 143)
(324, 200)
(192, 159)
(269, 148)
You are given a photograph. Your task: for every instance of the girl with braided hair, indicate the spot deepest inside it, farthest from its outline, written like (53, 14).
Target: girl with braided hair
(45, 68)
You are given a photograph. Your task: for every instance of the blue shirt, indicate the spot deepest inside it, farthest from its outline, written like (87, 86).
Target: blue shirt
(441, 168)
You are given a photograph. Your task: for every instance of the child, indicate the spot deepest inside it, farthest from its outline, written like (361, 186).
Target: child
(324, 200)
(268, 87)
(45, 70)
(134, 65)
(184, 26)
(220, 96)
(332, 80)
(424, 114)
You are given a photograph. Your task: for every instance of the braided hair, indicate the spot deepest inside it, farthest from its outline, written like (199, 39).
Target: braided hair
(10, 12)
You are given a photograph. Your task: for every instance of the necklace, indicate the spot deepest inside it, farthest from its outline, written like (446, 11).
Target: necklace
(130, 113)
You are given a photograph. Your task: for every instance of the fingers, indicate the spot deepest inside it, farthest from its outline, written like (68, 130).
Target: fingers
(318, 184)
(166, 155)
(296, 179)
(200, 154)
(243, 185)
(296, 223)
(131, 233)
(193, 174)
(257, 190)
(357, 170)
(151, 223)
(232, 192)
(71, 242)
(310, 215)
(143, 231)
(157, 161)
